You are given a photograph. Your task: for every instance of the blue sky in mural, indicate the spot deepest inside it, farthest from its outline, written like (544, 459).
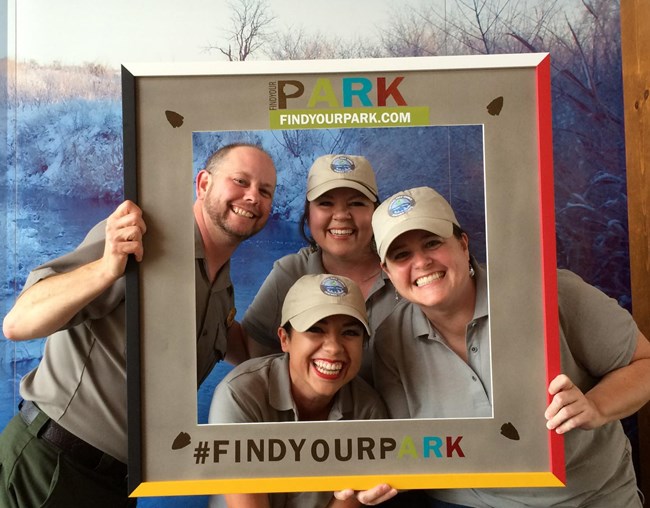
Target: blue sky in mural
(113, 32)
(148, 30)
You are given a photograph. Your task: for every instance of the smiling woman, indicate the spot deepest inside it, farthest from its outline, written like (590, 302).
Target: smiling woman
(323, 328)
(433, 355)
(340, 199)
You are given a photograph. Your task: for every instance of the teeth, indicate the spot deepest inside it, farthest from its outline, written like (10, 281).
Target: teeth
(329, 368)
(428, 279)
(242, 212)
(342, 232)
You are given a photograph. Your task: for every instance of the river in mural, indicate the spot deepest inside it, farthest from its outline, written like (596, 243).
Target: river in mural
(51, 225)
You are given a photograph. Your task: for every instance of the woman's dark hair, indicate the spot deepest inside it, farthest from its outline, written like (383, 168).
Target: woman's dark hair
(366, 338)
(303, 227)
(458, 232)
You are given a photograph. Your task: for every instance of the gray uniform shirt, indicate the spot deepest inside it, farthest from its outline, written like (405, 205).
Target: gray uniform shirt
(596, 337)
(81, 379)
(259, 390)
(408, 349)
(262, 318)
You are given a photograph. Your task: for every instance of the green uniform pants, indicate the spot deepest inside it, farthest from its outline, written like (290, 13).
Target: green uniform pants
(33, 474)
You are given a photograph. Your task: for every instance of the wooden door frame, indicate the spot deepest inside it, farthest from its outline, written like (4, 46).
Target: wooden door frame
(635, 49)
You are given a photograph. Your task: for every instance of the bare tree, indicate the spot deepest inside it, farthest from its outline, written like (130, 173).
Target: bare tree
(298, 44)
(453, 28)
(251, 23)
(479, 24)
(410, 33)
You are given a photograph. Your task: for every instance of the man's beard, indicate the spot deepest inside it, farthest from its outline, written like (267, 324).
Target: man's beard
(220, 220)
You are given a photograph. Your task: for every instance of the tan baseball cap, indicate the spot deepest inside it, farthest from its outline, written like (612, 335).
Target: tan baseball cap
(418, 208)
(333, 171)
(314, 297)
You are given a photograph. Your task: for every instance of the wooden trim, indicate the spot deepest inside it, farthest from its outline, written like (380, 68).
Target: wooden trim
(635, 45)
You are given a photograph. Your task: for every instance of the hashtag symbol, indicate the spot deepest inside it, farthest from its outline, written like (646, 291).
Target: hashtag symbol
(202, 452)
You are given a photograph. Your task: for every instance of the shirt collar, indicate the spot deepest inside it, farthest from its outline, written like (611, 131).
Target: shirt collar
(315, 262)
(421, 325)
(280, 385)
(343, 404)
(223, 276)
(199, 251)
(481, 305)
(315, 266)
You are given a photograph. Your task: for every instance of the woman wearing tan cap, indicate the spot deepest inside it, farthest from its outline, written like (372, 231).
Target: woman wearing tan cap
(323, 328)
(340, 200)
(442, 336)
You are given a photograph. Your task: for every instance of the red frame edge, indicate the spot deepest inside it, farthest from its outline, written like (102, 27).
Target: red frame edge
(548, 249)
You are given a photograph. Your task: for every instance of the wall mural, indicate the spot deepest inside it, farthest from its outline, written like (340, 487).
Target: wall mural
(64, 148)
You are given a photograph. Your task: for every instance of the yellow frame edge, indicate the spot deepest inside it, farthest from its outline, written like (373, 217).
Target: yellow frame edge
(313, 484)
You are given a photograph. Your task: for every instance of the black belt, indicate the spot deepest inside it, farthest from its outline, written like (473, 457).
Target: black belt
(73, 447)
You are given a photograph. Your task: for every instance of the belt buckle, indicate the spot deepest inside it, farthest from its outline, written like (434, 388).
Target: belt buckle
(28, 411)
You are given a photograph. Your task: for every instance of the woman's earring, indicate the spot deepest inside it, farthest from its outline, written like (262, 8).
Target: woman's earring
(472, 273)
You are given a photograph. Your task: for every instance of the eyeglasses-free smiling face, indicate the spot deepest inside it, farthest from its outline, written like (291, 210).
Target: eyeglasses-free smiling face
(429, 270)
(238, 194)
(340, 221)
(322, 359)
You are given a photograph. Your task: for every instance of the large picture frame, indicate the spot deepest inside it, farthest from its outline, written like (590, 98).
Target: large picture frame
(509, 96)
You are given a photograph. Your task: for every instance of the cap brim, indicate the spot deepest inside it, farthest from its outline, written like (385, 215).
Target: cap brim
(321, 189)
(440, 227)
(304, 320)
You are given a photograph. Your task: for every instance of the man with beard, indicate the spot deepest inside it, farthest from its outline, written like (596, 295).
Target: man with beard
(67, 446)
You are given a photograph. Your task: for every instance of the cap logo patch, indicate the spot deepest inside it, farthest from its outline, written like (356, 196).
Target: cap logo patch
(333, 286)
(400, 205)
(342, 165)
